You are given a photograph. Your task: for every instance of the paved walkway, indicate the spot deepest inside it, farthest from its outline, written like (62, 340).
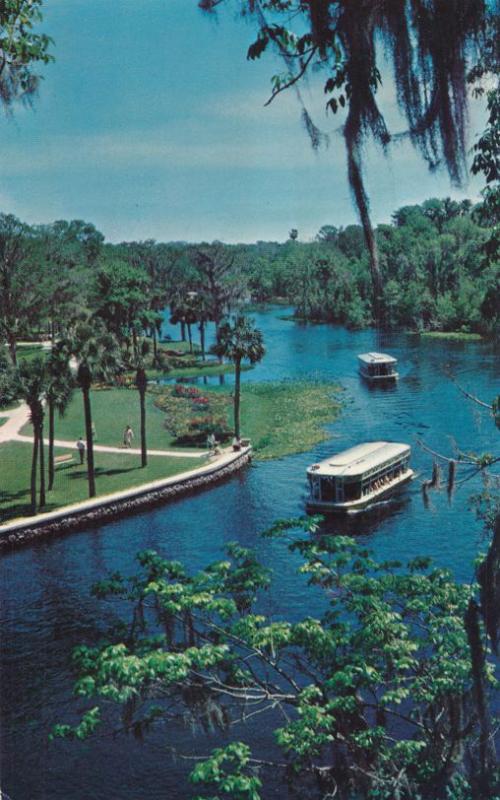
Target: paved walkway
(103, 448)
(16, 419)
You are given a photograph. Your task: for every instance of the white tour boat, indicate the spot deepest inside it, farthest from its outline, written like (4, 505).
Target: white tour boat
(356, 478)
(377, 367)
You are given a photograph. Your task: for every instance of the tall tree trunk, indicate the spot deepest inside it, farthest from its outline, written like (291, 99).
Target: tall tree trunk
(12, 343)
(134, 343)
(183, 331)
(237, 383)
(34, 462)
(144, 452)
(51, 445)
(90, 445)
(155, 346)
(190, 337)
(487, 756)
(217, 324)
(42, 468)
(357, 186)
(202, 339)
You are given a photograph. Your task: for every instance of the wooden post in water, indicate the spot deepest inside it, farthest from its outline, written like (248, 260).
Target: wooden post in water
(436, 476)
(452, 471)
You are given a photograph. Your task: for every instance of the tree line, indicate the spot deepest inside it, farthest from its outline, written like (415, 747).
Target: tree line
(436, 261)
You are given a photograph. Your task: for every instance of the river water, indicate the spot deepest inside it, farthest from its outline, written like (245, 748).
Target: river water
(46, 603)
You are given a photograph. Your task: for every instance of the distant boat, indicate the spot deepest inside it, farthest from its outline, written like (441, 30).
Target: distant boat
(378, 367)
(356, 478)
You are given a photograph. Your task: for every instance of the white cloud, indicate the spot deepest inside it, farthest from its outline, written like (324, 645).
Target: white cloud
(160, 149)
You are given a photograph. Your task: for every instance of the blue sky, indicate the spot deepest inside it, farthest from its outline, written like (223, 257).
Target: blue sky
(151, 124)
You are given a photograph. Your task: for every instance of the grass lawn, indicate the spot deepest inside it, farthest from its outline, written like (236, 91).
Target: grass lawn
(112, 410)
(26, 352)
(207, 369)
(179, 345)
(10, 406)
(458, 336)
(114, 472)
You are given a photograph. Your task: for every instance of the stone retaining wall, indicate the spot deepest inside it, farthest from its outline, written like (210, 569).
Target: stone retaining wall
(114, 508)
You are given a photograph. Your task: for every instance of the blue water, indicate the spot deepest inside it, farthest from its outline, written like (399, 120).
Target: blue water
(46, 603)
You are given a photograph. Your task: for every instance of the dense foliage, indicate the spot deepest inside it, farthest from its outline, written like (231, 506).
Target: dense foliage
(22, 50)
(374, 699)
(439, 264)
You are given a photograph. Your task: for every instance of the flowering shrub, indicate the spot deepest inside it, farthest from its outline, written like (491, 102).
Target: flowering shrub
(186, 391)
(191, 416)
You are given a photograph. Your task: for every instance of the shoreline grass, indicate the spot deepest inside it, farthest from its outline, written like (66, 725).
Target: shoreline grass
(283, 418)
(208, 369)
(454, 336)
(114, 472)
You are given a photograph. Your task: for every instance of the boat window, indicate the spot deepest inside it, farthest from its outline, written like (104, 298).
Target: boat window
(352, 491)
(328, 489)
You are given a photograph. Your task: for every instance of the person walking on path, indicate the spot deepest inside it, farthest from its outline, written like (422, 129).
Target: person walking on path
(128, 435)
(80, 446)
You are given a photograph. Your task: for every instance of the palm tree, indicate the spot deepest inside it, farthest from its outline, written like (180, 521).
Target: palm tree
(58, 395)
(32, 380)
(237, 341)
(98, 355)
(141, 381)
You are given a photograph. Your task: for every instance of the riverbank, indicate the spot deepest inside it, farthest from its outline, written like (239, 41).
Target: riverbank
(453, 336)
(280, 418)
(114, 471)
(111, 506)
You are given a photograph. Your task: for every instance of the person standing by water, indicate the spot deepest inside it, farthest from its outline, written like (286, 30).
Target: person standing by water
(128, 435)
(80, 446)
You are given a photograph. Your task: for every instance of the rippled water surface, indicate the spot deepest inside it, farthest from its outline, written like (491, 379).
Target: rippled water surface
(47, 607)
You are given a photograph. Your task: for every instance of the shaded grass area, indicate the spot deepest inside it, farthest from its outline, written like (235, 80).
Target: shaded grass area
(282, 418)
(114, 472)
(175, 344)
(112, 410)
(28, 352)
(10, 406)
(203, 368)
(459, 336)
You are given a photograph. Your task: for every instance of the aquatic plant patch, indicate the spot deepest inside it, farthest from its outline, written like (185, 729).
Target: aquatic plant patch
(288, 417)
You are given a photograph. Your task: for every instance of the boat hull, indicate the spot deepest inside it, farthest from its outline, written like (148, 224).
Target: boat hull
(364, 503)
(379, 378)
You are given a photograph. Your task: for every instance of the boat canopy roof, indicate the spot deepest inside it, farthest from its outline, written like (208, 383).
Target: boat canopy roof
(377, 358)
(360, 459)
